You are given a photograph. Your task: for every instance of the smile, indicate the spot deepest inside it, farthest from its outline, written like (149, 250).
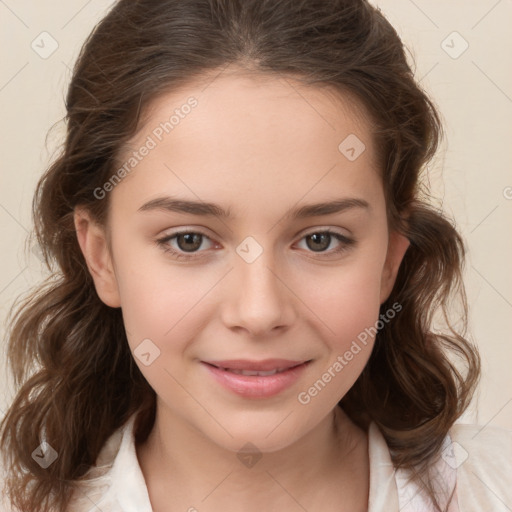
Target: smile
(256, 379)
(253, 373)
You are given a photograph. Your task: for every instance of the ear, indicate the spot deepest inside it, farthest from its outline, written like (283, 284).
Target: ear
(93, 243)
(397, 246)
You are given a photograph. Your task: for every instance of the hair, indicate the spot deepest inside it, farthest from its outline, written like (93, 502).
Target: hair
(76, 380)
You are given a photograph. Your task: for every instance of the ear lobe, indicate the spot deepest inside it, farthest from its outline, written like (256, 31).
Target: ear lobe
(397, 247)
(93, 243)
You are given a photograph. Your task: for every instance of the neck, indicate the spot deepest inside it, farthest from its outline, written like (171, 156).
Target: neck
(182, 466)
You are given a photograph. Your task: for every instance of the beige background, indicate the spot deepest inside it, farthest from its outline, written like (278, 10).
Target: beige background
(472, 175)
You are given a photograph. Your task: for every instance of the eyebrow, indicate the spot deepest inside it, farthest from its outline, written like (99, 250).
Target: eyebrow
(210, 209)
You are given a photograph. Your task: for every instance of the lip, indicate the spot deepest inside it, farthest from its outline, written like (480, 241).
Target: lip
(262, 366)
(256, 386)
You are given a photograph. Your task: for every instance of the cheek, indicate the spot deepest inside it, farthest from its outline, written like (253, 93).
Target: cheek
(155, 297)
(163, 315)
(346, 308)
(155, 305)
(346, 298)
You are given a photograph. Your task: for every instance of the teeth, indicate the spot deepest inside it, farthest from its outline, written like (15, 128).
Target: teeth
(255, 373)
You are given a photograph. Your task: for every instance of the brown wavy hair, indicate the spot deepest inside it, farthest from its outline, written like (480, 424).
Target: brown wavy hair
(76, 380)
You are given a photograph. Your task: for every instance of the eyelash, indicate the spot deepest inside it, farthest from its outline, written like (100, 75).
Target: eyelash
(346, 244)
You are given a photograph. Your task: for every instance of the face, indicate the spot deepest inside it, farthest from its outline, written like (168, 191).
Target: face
(251, 235)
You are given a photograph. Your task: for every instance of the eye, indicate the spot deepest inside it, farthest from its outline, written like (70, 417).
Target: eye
(326, 241)
(192, 244)
(183, 242)
(189, 242)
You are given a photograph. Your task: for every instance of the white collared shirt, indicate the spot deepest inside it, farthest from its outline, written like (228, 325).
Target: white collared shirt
(476, 464)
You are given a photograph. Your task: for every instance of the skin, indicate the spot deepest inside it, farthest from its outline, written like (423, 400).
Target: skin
(258, 147)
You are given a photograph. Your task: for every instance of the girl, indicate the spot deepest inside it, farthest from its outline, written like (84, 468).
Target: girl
(246, 272)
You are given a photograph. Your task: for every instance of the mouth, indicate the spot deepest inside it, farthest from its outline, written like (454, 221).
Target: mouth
(256, 379)
(256, 368)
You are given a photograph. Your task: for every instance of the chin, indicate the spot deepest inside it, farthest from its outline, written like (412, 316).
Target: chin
(252, 440)
(268, 433)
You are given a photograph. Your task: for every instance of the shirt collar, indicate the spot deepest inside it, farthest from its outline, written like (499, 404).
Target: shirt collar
(383, 492)
(128, 484)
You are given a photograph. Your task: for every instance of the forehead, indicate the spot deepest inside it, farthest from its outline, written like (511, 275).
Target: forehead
(236, 135)
(238, 103)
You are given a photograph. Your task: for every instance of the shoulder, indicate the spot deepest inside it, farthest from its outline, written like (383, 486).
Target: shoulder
(481, 449)
(481, 446)
(94, 488)
(475, 465)
(482, 458)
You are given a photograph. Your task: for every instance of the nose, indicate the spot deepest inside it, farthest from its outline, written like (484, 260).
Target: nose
(257, 299)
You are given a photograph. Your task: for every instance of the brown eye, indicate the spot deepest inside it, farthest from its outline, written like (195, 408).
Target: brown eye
(318, 241)
(189, 242)
(184, 245)
(326, 243)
